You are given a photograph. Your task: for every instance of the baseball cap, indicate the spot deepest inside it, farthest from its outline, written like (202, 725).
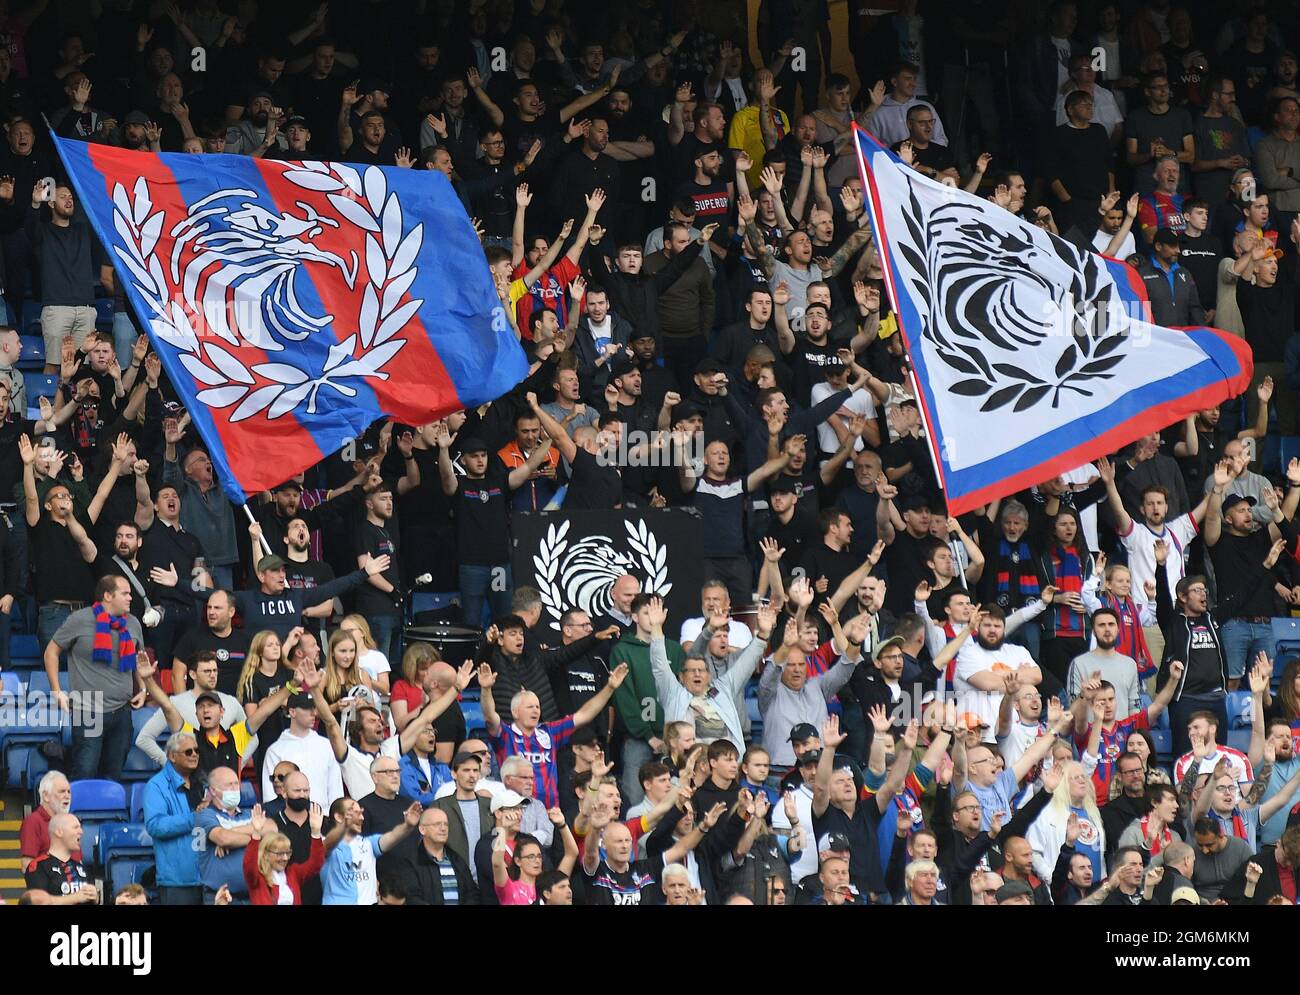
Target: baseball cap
(686, 409)
(297, 119)
(302, 699)
(136, 117)
(1165, 237)
(271, 562)
(709, 365)
(473, 445)
(507, 799)
(1185, 894)
(885, 644)
(621, 366)
(584, 736)
(259, 94)
(783, 485)
(462, 757)
(1235, 499)
(803, 732)
(211, 696)
(833, 843)
(288, 485)
(914, 502)
(810, 758)
(1016, 889)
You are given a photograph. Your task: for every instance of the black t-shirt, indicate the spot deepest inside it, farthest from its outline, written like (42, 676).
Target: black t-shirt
(689, 147)
(483, 517)
(933, 156)
(1204, 670)
(61, 573)
(231, 652)
(808, 363)
(520, 134)
(262, 687)
(795, 537)
(635, 886)
(378, 541)
(383, 814)
(712, 205)
(1200, 256)
(450, 727)
(57, 877)
(819, 560)
(592, 486)
(306, 575)
(905, 557)
(1268, 316)
(1238, 562)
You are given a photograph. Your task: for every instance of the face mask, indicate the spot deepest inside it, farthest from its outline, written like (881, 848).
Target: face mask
(297, 804)
(230, 799)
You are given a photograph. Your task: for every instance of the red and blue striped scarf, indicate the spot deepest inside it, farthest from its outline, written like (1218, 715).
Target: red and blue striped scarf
(1068, 574)
(102, 651)
(1132, 640)
(1025, 579)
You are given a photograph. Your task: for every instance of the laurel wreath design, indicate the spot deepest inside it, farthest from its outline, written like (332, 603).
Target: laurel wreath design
(280, 387)
(1085, 357)
(549, 557)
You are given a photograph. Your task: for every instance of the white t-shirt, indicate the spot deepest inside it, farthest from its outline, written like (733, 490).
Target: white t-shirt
(374, 663)
(859, 403)
(315, 757)
(1105, 111)
(493, 788)
(1019, 738)
(1140, 541)
(1101, 241)
(356, 768)
(807, 862)
(973, 659)
(1238, 763)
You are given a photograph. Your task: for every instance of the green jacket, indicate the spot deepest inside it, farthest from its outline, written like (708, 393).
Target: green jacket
(636, 701)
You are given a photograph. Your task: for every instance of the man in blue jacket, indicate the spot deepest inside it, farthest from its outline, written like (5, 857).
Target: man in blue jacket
(172, 799)
(422, 774)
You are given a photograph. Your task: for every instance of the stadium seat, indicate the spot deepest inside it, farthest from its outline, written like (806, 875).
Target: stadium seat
(1269, 456)
(24, 647)
(103, 313)
(247, 795)
(32, 356)
(1286, 640)
(40, 385)
(31, 323)
(123, 839)
(97, 802)
(1288, 449)
(35, 724)
(1240, 713)
(139, 765)
(10, 685)
(137, 801)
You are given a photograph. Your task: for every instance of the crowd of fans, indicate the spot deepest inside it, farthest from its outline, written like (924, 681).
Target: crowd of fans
(877, 703)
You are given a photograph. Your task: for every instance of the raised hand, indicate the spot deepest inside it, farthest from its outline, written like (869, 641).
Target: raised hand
(772, 551)
(879, 719)
(1071, 829)
(486, 676)
(831, 735)
(595, 201)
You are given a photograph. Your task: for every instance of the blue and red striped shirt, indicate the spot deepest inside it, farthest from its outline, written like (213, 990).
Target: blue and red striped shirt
(538, 748)
(1113, 742)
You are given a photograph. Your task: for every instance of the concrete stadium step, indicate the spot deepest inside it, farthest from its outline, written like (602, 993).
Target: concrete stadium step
(12, 884)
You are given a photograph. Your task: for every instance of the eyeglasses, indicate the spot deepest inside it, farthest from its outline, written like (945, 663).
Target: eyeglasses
(191, 752)
(280, 853)
(968, 808)
(279, 777)
(528, 856)
(578, 625)
(1227, 789)
(393, 770)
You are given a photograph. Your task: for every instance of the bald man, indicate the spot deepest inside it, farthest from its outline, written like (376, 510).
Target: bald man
(59, 873)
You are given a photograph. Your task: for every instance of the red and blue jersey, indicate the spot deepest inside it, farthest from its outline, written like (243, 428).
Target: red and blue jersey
(1161, 210)
(550, 292)
(1113, 742)
(538, 748)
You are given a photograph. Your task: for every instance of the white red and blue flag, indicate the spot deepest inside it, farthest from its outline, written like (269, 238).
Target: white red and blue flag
(294, 304)
(1031, 355)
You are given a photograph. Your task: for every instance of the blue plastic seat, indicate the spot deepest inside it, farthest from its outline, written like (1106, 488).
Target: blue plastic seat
(247, 795)
(1241, 710)
(103, 313)
(139, 765)
(123, 839)
(137, 801)
(1286, 639)
(11, 686)
(32, 356)
(96, 803)
(31, 323)
(40, 384)
(23, 646)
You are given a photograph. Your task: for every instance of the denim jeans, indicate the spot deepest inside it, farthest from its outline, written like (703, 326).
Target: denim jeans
(104, 754)
(387, 630)
(6, 621)
(1029, 636)
(477, 588)
(635, 753)
(49, 617)
(223, 576)
(124, 335)
(1242, 640)
(188, 895)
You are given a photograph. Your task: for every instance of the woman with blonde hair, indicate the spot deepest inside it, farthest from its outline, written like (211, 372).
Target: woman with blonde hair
(411, 691)
(271, 878)
(342, 669)
(1070, 820)
(266, 669)
(373, 662)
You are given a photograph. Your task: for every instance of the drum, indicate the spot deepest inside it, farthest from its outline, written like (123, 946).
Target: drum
(454, 642)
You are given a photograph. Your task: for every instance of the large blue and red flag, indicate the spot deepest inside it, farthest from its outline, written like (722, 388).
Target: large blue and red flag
(1031, 356)
(293, 304)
